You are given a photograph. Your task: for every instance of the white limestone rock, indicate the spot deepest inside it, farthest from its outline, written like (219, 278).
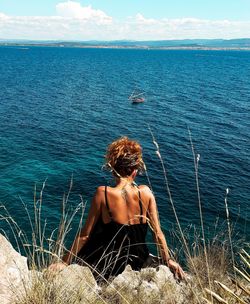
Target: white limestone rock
(14, 272)
(78, 282)
(150, 285)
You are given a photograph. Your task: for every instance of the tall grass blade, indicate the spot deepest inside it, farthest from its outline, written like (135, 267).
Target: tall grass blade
(246, 277)
(223, 286)
(216, 296)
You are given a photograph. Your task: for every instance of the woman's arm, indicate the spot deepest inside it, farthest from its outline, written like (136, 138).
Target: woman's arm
(157, 232)
(82, 237)
(160, 238)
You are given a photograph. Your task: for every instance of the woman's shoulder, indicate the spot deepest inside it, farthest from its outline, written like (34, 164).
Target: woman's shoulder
(103, 189)
(100, 190)
(145, 189)
(100, 194)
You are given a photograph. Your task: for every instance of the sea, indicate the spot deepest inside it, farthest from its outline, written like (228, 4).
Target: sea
(61, 107)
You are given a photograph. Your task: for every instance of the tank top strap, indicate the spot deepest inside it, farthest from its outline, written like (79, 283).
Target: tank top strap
(107, 204)
(141, 210)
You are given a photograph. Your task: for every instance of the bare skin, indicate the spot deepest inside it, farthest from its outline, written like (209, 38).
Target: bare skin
(123, 201)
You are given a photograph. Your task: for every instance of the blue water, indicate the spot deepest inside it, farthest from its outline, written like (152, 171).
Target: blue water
(61, 107)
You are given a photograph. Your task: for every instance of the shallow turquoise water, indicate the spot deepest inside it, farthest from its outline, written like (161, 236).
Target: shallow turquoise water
(60, 107)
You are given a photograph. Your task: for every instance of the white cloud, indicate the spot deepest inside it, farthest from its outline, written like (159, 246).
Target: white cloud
(73, 9)
(3, 16)
(140, 19)
(185, 28)
(77, 22)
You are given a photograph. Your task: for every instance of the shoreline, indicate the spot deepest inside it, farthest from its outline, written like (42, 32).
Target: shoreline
(136, 47)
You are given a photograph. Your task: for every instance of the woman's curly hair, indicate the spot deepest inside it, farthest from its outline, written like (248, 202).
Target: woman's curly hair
(124, 156)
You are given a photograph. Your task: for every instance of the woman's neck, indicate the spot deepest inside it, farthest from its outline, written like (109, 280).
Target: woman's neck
(123, 181)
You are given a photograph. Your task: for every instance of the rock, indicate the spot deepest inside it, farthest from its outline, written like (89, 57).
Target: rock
(14, 272)
(78, 282)
(127, 278)
(150, 285)
(160, 275)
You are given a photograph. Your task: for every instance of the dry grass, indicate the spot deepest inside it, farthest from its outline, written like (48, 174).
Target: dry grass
(224, 287)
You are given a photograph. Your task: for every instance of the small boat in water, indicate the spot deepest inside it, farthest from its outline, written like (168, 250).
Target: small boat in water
(137, 97)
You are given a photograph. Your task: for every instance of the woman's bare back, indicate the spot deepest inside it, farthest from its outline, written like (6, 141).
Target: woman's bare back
(128, 205)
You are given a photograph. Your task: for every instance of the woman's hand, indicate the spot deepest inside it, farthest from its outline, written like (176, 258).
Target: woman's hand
(176, 269)
(56, 267)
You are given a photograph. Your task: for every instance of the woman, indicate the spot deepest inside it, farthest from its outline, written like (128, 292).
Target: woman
(115, 230)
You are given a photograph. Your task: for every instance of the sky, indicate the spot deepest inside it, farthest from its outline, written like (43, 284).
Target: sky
(124, 19)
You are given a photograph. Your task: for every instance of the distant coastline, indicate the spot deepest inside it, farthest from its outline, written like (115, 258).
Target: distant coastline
(133, 47)
(188, 44)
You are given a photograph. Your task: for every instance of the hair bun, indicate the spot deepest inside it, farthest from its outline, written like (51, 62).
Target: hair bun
(124, 156)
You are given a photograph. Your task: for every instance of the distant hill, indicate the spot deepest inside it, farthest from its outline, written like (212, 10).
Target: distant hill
(186, 43)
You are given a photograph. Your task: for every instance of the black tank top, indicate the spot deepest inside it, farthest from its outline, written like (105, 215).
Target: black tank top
(112, 246)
